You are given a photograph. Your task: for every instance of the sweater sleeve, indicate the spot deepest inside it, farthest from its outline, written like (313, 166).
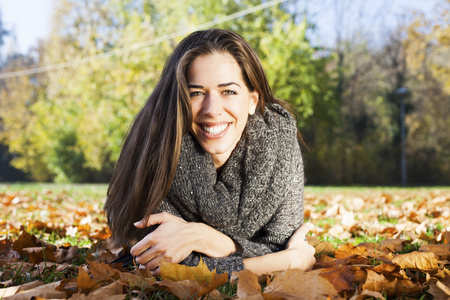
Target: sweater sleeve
(289, 214)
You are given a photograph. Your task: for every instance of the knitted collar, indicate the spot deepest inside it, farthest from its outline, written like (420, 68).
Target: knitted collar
(243, 184)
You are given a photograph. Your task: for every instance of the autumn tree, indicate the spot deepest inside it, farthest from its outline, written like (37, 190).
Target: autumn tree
(427, 51)
(79, 122)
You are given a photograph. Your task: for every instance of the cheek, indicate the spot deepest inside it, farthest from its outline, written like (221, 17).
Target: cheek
(194, 109)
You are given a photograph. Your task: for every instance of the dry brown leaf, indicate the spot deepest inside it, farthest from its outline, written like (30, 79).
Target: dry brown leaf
(393, 245)
(422, 261)
(183, 289)
(406, 286)
(367, 294)
(84, 281)
(101, 271)
(9, 291)
(137, 281)
(247, 286)
(103, 234)
(295, 283)
(39, 254)
(360, 276)
(340, 277)
(321, 246)
(347, 250)
(324, 261)
(438, 289)
(105, 292)
(446, 237)
(217, 280)
(25, 240)
(441, 250)
(390, 269)
(379, 283)
(38, 289)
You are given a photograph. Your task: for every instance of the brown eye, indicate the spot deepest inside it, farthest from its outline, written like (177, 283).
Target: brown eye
(195, 94)
(229, 92)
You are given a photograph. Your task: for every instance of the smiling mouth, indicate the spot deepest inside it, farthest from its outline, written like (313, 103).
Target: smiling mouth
(216, 129)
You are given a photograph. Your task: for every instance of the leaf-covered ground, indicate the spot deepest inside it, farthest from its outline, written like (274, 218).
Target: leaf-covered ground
(384, 243)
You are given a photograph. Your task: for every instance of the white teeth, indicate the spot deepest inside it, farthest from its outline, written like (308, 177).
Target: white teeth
(215, 130)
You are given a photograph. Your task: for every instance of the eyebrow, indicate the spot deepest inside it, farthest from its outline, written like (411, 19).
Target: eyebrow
(195, 86)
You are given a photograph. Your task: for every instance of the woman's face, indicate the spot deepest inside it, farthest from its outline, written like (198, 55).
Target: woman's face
(221, 103)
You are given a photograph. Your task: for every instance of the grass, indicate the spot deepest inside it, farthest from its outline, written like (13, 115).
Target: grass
(69, 207)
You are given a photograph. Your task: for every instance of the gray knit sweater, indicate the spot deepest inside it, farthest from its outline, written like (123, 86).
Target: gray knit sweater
(257, 196)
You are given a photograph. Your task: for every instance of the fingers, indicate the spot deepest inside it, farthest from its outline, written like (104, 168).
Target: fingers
(304, 228)
(142, 246)
(154, 219)
(152, 264)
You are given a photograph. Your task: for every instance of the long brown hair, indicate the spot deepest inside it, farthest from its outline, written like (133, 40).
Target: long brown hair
(149, 157)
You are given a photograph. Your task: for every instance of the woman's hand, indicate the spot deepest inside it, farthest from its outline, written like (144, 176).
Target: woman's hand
(172, 241)
(297, 255)
(175, 239)
(301, 252)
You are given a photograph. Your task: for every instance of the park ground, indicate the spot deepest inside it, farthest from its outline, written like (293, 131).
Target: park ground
(371, 242)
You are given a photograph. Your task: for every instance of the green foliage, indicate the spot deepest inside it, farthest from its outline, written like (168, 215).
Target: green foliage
(67, 125)
(77, 123)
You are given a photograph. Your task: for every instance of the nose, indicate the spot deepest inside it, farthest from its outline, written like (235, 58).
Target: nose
(212, 105)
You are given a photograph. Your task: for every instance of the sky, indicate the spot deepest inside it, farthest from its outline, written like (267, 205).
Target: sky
(29, 19)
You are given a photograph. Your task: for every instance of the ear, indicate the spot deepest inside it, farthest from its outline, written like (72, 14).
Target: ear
(253, 102)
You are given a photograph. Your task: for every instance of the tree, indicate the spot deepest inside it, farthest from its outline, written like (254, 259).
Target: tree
(80, 119)
(427, 51)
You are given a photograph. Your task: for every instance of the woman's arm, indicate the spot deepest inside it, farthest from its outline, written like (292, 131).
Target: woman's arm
(297, 255)
(175, 239)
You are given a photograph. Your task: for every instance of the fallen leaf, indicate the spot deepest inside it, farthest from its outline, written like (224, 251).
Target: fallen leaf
(25, 240)
(84, 281)
(393, 245)
(183, 289)
(367, 294)
(38, 289)
(101, 271)
(349, 250)
(321, 246)
(437, 289)
(340, 277)
(137, 281)
(247, 285)
(115, 289)
(176, 272)
(422, 261)
(293, 283)
(441, 250)
(379, 283)
(206, 280)
(39, 254)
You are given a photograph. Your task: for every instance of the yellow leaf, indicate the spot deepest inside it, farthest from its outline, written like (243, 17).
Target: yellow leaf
(422, 261)
(176, 272)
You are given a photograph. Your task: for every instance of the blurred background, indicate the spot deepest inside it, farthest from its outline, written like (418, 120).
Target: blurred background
(370, 81)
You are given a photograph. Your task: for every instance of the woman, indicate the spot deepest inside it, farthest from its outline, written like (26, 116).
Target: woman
(211, 167)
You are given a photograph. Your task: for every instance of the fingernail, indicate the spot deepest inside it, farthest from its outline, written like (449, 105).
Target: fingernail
(136, 224)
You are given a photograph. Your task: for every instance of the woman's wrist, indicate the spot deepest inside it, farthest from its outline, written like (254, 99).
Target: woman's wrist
(212, 242)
